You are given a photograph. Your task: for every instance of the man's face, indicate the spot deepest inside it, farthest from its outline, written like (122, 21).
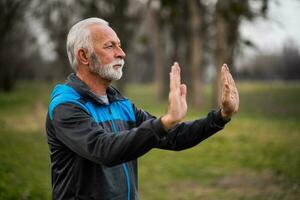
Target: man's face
(107, 59)
(111, 71)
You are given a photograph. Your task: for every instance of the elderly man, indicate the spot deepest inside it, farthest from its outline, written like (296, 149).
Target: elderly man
(95, 134)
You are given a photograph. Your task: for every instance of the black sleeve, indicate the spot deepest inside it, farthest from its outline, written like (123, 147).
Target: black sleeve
(186, 134)
(141, 115)
(79, 132)
(189, 134)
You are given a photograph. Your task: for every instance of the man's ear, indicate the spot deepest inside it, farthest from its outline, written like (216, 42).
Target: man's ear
(82, 56)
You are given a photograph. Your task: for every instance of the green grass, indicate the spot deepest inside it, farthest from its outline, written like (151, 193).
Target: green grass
(24, 163)
(255, 157)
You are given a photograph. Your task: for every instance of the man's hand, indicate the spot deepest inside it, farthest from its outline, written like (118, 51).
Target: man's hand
(229, 94)
(177, 107)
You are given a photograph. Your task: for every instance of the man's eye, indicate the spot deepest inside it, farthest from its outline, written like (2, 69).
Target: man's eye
(109, 46)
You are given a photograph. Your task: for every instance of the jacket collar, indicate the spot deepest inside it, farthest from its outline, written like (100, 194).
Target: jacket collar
(77, 84)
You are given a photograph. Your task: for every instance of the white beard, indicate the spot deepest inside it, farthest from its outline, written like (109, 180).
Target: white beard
(107, 71)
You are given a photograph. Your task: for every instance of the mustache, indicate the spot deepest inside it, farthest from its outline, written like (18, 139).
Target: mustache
(117, 62)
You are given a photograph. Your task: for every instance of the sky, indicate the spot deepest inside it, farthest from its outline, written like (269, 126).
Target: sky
(283, 24)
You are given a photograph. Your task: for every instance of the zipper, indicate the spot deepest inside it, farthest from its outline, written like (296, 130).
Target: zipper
(124, 165)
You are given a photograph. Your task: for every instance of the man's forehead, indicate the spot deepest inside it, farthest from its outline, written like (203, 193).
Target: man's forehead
(103, 33)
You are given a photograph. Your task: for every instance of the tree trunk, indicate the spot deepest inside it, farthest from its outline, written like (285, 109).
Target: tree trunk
(220, 52)
(196, 53)
(158, 64)
(232, 43)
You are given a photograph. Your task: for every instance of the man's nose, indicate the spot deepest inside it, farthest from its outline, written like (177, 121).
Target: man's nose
(120, 53)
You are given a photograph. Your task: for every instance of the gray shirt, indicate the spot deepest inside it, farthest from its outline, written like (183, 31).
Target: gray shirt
(103, 98)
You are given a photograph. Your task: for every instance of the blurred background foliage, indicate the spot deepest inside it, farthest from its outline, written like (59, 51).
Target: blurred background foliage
(257, 156)
(201, 35)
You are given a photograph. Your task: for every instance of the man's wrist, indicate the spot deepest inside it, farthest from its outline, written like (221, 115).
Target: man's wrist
(167, 122)
(225, 116)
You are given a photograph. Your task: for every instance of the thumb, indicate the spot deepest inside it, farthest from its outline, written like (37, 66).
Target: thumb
(183, 90)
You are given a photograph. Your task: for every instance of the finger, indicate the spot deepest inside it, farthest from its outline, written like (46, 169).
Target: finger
(223, 75)
(233, 94)
(227, 71)
(177, 75)
(183, 90)
(226, 91)
(223, 79)
(229, 76)
(172, 79)
(183, 93)
(224, 84)
(179, 72)
(225, 97)
(232, 81)
(229, 79)
(233, 89)
(226, 66)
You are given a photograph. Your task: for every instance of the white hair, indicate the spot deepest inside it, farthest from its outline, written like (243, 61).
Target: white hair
(79, 37)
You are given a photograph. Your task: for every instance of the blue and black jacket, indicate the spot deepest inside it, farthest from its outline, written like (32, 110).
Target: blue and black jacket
(94, 146)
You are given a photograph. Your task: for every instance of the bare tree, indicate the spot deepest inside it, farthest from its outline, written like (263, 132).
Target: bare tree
(196, 9)
(12, 26)
(228, 17)
(221, 47)
(154, 6)
(58, 16)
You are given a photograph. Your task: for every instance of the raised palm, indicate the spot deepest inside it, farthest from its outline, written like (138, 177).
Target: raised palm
(229, 94)
(177, 106)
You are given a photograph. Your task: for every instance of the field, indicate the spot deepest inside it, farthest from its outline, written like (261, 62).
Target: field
(257, 155)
